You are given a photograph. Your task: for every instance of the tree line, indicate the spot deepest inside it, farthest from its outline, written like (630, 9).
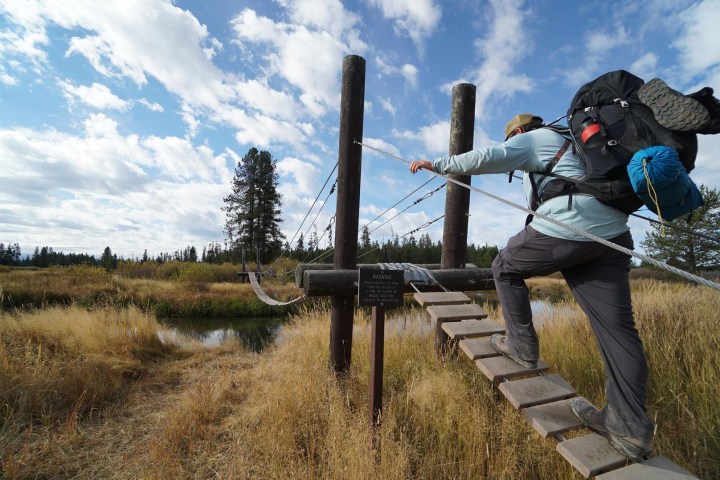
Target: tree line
(398, 250)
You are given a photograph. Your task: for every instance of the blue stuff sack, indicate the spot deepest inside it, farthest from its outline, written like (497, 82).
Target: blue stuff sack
(675, 193)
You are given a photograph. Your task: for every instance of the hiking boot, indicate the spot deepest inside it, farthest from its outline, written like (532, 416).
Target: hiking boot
(672, 109)
(633, 448)
(500, 344)
(705, 96)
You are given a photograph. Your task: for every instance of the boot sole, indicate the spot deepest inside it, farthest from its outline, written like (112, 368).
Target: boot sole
(672, 109)
(625, 451)
(612, 439)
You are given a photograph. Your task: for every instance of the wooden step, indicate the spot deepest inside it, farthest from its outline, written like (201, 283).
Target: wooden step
(440, 298)
(477, 347)
(591, 454)
(656, 468)
(454, 313)
(550, 419)
(472, 328)
(498, 368)
(536, 390)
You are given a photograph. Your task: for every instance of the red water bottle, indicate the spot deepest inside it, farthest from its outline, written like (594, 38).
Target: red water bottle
(589, 128)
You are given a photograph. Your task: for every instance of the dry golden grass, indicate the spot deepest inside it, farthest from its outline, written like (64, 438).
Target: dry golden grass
(228, 413)
(188, 292)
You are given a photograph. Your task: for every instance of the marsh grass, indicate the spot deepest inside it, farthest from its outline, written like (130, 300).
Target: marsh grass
(229, 413)
(61, 363)
(174, 289)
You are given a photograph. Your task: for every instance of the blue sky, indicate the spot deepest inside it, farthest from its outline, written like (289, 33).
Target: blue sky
(122, 121)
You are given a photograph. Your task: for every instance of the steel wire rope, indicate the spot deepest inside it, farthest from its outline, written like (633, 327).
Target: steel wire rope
(426, 224)
(424, 197)
(627, 251)
(306, 216)
(397, 203)
(332, 190)
(325, 231)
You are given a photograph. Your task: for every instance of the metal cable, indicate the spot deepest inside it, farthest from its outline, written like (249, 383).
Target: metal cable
(398, 202)
(306, 216)
(590, 236)
(424, 197)
(332, 190)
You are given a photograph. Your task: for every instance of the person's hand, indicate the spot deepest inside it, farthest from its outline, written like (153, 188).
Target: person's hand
(418, 164)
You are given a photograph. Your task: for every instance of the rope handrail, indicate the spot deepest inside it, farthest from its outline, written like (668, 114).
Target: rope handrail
(590, 236)
(264, 296)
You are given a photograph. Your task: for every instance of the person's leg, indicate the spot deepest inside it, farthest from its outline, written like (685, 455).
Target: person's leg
(527, 254)
(602, 289)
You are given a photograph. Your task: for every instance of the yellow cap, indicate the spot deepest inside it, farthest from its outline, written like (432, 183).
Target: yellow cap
(520, 121)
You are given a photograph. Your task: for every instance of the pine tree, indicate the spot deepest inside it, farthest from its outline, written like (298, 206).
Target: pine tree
(365, 238)
(253, 208)
(692, 253)
(300, 249)
(107, 260)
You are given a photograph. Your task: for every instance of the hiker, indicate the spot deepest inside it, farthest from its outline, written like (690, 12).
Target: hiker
(597, 275)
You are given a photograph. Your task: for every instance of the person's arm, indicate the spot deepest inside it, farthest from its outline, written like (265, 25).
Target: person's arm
(515, 154)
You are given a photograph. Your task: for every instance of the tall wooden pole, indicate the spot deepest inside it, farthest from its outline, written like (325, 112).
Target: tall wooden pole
(457, 198)
(347, 213)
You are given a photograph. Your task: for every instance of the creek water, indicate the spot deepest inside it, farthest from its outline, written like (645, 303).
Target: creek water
(259, 332)
(254, 332)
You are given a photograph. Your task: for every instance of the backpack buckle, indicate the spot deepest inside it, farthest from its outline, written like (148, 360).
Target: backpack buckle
(623, 103)
(612, 143)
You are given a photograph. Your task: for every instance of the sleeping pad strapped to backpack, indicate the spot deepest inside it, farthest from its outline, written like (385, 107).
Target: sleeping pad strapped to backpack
(663, 184)
(609, 125)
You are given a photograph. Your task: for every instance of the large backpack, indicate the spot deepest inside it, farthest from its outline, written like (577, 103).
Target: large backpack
(609, 124)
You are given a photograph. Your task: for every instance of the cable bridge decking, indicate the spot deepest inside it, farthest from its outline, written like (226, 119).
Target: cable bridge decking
(543, 399)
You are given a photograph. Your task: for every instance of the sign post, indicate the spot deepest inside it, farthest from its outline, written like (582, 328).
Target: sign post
(378, 289)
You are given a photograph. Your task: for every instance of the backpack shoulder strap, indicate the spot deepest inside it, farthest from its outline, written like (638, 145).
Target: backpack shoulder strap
(557, 156)
(548, 169)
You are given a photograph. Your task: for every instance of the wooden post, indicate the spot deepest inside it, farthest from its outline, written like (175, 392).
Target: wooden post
(377, 351)
(348, 205)
(457, 198)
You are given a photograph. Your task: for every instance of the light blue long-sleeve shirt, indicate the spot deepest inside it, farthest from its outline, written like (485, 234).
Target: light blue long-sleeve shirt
(531, 152)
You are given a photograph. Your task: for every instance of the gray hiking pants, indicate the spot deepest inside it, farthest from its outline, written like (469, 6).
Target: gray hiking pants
(598, 278)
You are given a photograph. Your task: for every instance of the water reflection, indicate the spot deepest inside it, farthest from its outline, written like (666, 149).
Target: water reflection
(544, 309)
(255, 333)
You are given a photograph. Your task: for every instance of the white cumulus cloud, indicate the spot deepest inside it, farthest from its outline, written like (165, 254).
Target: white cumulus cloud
(96, 95)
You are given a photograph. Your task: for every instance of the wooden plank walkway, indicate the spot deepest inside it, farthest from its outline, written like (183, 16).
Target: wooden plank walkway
(543, 399)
